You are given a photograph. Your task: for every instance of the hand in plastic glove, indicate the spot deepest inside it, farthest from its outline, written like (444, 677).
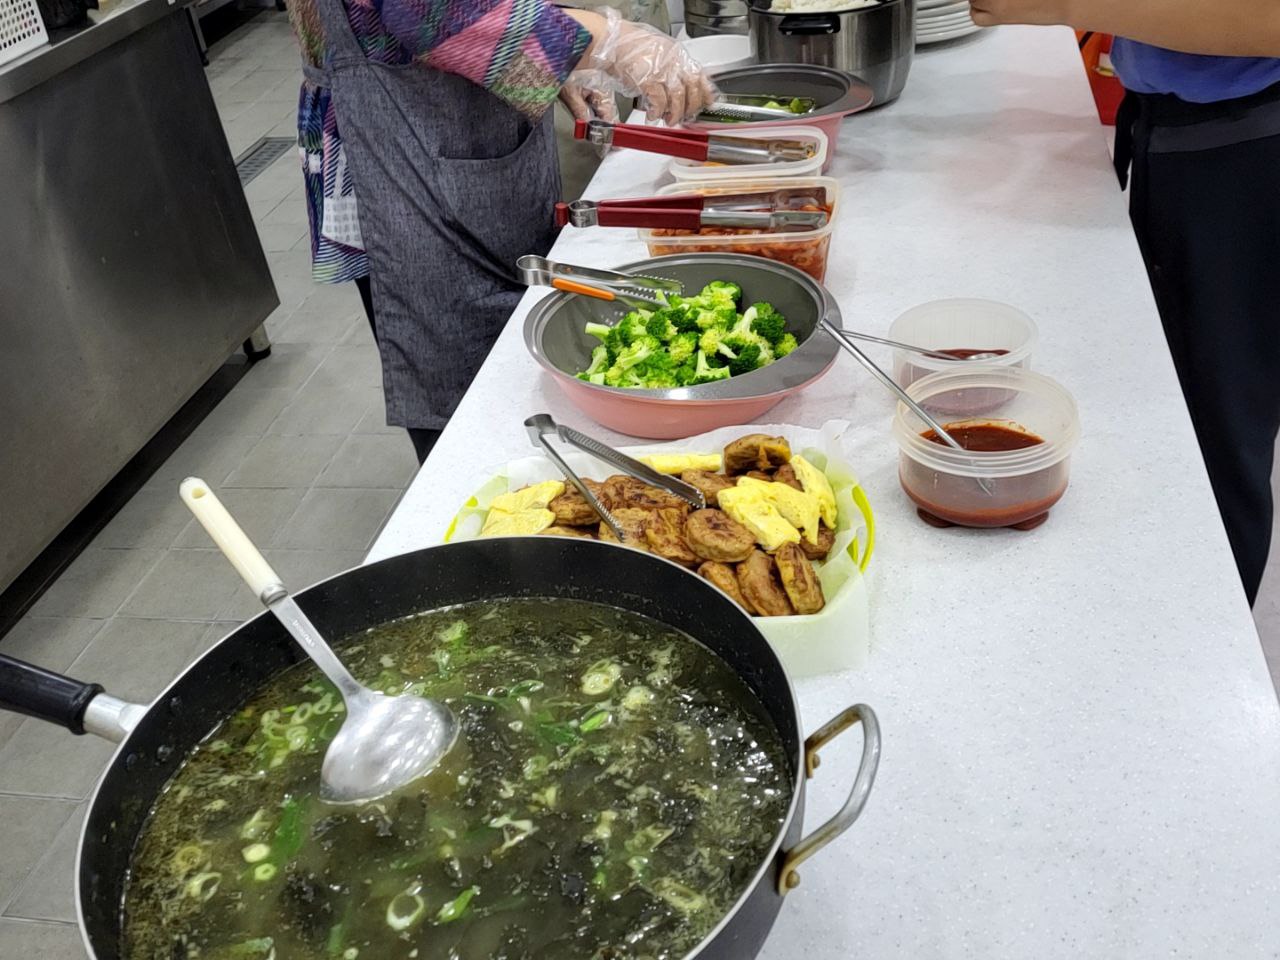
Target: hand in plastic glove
(584, 102)
(639, 61)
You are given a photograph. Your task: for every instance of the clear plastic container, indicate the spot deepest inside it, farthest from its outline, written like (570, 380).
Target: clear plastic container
(700, 172)
(805, 250)
(963, 326)
(1021, 485)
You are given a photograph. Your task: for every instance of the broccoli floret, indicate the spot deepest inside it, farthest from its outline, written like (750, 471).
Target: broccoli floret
(599, 363)
(637, 353)
(601, 330)
(748, 359)
(709, 342)
(682, 347)
(738, 342)
(681, 318)
(709, 317)
(634, 326)
(704, 372)
(786, 344)
(722, 290)
(766, 321)
(660, 326)
(687, 374)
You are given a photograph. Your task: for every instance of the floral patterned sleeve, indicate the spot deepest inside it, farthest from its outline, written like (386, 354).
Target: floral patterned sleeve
(519, 50)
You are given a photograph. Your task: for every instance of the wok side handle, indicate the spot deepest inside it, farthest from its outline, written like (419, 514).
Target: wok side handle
(788, 879)
(37, 692)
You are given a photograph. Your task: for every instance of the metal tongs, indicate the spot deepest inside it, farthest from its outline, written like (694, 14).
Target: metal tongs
(845, 339)
(600, 284)
(692, 144)
(541, 426)
(747, 107)
(772, 211)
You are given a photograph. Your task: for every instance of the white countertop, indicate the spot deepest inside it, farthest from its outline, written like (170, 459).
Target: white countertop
(1081, 743)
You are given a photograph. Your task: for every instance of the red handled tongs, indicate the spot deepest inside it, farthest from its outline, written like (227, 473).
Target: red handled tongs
(770, 211)
(692, 144)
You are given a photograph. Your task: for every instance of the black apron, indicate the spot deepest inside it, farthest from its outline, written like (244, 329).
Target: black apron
(452, 186)
(1205, 205)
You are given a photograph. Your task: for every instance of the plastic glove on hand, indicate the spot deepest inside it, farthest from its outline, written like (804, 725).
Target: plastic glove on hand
(642, 62)
(587, 95)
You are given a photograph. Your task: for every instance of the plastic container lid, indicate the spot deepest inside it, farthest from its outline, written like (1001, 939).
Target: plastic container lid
(698, 172)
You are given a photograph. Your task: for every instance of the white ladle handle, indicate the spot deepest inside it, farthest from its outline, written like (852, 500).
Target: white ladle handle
(262, 580)
(230, 539)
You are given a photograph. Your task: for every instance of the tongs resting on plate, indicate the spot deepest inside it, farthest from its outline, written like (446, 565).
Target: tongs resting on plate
(746, 107)
(541, 426)
(692, 144)
(771, 211)
(601, 284)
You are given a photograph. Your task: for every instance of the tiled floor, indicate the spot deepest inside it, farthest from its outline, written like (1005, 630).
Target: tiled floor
(300, 454)
(298, 451)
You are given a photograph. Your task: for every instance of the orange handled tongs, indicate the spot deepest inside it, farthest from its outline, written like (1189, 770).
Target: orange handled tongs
(693, 144)
(600, 284)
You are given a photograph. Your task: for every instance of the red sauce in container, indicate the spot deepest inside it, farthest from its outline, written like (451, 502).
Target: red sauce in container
(947, 500)
(989, 437)
(964, 353)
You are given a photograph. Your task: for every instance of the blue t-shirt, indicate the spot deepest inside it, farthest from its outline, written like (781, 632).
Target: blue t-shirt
(1192, 77)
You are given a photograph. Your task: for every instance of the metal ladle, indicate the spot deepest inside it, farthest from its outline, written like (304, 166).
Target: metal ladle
(385, 742)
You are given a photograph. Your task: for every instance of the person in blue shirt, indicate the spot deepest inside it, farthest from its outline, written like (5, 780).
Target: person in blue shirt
(1198, 139)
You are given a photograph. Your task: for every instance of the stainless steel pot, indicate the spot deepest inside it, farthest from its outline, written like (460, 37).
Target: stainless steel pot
(714, 26)
(704, 18)
(155, 740)
(874, 44)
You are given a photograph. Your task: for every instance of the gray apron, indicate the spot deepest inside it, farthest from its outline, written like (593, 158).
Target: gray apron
(452, 186)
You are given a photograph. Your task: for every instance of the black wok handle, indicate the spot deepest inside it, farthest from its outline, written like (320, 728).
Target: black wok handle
(788, 879)
(809, 24)
(37, 692)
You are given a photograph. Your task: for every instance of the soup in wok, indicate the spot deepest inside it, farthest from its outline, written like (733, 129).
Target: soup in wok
(615, 789)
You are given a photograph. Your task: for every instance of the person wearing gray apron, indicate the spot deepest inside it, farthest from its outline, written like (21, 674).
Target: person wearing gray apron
(453, 186)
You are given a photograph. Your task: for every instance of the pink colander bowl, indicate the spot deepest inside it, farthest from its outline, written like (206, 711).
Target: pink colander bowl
(554, 333)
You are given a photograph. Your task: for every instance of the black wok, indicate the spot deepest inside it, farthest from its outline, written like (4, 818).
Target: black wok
(154, 740)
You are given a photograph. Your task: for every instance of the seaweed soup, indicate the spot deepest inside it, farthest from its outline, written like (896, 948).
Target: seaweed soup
(615, 788)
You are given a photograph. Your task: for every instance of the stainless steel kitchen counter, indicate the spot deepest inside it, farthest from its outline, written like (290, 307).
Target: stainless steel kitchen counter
(131, 266)
(19, 76)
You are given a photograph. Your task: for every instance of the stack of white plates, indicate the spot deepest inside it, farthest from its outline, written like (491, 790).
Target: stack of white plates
(938, 20)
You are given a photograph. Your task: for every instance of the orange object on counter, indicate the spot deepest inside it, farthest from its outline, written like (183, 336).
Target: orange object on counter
(1095, 48)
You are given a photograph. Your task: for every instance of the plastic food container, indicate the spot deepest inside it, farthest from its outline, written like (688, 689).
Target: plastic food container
(698, 172)
(805, 250)
(961, 325)
(1022, 484)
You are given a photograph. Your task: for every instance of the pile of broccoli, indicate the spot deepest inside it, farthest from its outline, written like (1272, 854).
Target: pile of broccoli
(691, 340)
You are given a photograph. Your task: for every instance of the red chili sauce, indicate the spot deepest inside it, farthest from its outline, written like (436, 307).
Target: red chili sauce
(988, 437)
(964, 353)
(945, 500)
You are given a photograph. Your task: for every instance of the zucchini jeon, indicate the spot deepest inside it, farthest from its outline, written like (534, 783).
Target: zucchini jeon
(756, 451)
(710, 484)
(621, 491)
(714, 535)
(571, 508)
(722, 575)
(758, 580)
(632, 520)
(799, 580)
(664, 532)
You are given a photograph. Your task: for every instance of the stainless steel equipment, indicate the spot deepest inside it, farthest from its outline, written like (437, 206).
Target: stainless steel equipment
(835, 92)
(704, 18)
(874, 44)
(132, 268)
